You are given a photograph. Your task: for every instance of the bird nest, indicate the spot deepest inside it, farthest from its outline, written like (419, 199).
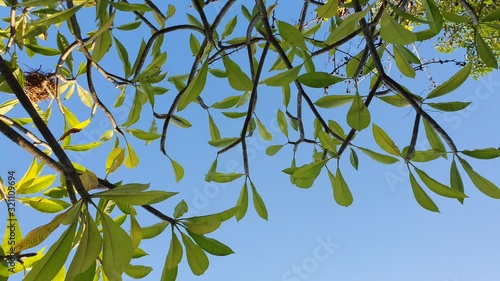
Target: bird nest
(39, 86)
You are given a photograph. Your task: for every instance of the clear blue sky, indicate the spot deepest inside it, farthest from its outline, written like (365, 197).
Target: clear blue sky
(385, 235)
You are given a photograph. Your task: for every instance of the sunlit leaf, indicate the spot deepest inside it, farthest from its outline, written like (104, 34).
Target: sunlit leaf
(484, 185)
(358, 116)
(438, 187)
(452, 84)
(384, 141)
(421, 196)
(197, 259)
(318, 79)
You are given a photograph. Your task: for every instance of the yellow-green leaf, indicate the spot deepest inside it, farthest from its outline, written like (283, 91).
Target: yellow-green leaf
(421, 196)
(393, 32)
(341, 192)
(193, 90)
(484, 185)
(358, 116)
(197, 259)
(328, 10)
(438, 187)
(452, 84)
(384, 141)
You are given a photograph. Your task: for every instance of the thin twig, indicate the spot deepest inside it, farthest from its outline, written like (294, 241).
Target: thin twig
(25, 131)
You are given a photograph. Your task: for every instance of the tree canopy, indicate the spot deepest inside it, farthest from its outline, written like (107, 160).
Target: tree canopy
(143, 66)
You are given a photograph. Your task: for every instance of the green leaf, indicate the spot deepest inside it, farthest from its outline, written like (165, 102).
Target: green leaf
(85, 96)
(45, 205)
(353, 158)
(273, 149)
(128, 7)
(492, 16)
(129, 26)
(135, 231)
(227, 102)
(348, 26)
(83, 147)
(131, 161)
(42, 50)
(217, 73)
(57, 17)
(102, 45)
(452, 84)
(223, 142)
(456, 180)
(39, 184)
(197, 259)
(455, 18)
(333, 101)
(115, 159)
(7, 106)
(137, 271)
(392, 32)
(402, 63)
(140, 134)
(175, 252)
(341, 192)
(193, 90)
(438, 187)
(318, 79)
(263, 132)
(217, 217)
(180, 122)
(449, 106)
(229, 28)
(170, 11)
(422, 156)
(327, 142)
(178, 170)
(88, 249)
(282, 123)
(214, 130)
(236, 77)
(235, 114)
(180, 209)
(127, 197)
(194, 44)
(211, 172)
(135, 111)
(485, 53)
(309, 171)
(210, 245)
(485, 153)
(154, 230)
(117, 248)
(242, 203)
(203, 227)
(433, 15)
(39, 234)
(225, 178)
(433, 138)
(358, 116)
(384, 159)
(421, 196)
(328, 10)
(50, 264)
(483, 184)
(258, 203)
(283, 78)
(291, 35)
(395, 100)
(384, 141)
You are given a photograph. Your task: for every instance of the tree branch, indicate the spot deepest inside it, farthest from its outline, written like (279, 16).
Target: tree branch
(69, 169)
